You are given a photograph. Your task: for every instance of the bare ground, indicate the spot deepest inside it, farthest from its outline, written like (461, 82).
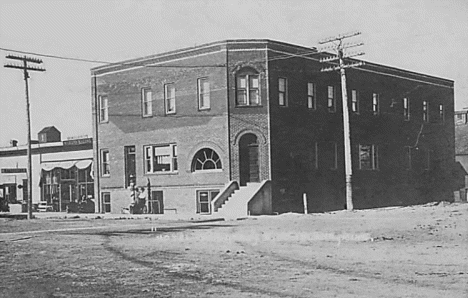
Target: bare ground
(418, 251)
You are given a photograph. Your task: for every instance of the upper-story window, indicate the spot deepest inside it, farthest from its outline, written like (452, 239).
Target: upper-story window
(203, 94)
(282, 92)
(331, 102)
(169, 98)
(247, 88)
(425, 108)
(441, 113)
(103, 108)
(146, 102)
(160, 158)
(406, 109)
(375, 103)
(354, 101)
(311, 96)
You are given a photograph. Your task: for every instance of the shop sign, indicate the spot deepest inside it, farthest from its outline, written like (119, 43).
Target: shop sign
(78, 142)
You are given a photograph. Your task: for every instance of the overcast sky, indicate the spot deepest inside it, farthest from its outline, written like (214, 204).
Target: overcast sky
(426, 36)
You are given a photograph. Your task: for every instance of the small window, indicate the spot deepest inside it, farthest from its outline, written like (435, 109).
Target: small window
(427, 160)
(103, 109)
(106, 198)
(105, 163)
(169, 98)
(282, 92)
(161, 158)
(354, 102)
(146, 102)
(368, 157)
(408, 158)
(248, 90)
(376, 103)
(204, 198)
(206, 159)
(406, 109)
(425, 111)
(203, 94)
(311, 96)
(331, 103)
(441, 113)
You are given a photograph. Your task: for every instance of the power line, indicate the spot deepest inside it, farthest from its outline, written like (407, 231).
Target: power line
(53, 56)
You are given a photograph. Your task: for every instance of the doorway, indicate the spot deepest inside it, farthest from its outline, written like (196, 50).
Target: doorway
(248, 159)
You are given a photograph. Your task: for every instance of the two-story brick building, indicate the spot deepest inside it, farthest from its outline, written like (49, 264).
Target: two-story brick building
(191, 121)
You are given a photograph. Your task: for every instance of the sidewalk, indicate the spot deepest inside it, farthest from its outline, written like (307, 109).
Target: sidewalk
(111, 216)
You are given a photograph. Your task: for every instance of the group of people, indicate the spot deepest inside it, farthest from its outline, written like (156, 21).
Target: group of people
(138, 196)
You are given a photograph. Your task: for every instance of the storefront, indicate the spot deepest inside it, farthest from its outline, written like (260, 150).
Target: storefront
(66, 182)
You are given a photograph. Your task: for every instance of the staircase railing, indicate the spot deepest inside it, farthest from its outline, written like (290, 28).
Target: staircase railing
(224, 195)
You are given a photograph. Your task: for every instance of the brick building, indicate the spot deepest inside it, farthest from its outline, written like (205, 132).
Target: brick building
(199, 123)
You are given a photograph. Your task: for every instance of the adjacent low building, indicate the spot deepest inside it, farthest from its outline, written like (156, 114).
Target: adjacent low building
(253, 125)
(61, 170)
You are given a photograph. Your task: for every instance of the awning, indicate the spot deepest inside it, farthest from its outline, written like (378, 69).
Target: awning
(81, 164)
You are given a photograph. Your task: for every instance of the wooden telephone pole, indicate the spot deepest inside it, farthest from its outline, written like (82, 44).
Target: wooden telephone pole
(25, 68)
(339, 47)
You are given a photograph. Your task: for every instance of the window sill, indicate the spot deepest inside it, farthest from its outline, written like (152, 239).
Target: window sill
(207, 171)
(204, 109)
(163, 173)
(249, 106)
(147, 116)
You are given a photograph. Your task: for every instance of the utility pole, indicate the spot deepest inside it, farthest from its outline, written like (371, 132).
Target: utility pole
(339, 47)
(25, 68)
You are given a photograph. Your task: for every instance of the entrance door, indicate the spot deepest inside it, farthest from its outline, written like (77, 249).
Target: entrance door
(248, 159)
(130, 167)
(156, 202)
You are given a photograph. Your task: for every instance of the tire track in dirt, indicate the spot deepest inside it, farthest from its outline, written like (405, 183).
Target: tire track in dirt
(340, 271)
(188, 276)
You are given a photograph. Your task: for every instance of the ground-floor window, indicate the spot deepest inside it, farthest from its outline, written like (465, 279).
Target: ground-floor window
(106, 199)
(204, 198)
(368, 157)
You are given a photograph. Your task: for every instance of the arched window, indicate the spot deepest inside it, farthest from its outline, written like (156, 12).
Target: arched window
(247, 87)
(206, 159)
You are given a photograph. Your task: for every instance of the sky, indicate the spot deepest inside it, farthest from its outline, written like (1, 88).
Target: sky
(425, 36)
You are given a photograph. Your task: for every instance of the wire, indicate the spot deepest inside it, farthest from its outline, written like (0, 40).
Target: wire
(53, 56)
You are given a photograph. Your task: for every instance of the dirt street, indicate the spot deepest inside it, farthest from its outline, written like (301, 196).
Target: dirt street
(418, 251)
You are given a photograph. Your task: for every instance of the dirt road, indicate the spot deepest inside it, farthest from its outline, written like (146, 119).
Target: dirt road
(419, 251)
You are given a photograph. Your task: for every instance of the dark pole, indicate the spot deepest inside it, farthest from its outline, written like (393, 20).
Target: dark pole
(28, 117)
(25, 69)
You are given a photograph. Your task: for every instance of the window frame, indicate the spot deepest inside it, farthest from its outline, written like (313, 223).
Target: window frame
(173, 165)
(248, 76)
(210, 199)
(103, 109)
(105, 163)
(146, 105)
(373, 157)
(406, 109)
(425, 111)
(441, 113)
(213, 152)
(283, 92)
(203, 96)
(354, 101)
(331, 108)
(312, 96)
(376, 104)
(106, 204)
(168, 99)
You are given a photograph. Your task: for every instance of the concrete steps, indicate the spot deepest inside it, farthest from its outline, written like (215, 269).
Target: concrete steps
(237, 205)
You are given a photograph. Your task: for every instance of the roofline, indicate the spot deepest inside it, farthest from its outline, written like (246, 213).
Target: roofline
(226, 43)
